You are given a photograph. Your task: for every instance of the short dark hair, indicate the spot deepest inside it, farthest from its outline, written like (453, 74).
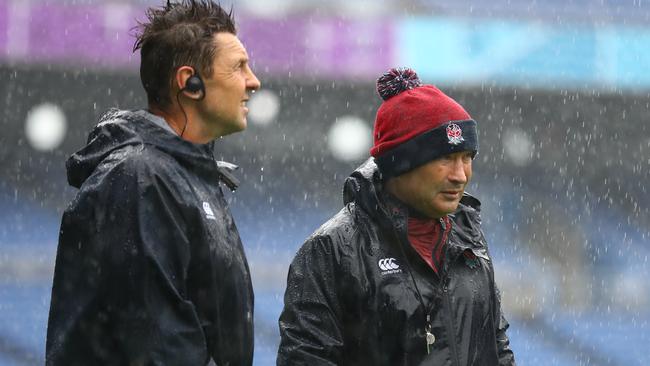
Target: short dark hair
(177, 34)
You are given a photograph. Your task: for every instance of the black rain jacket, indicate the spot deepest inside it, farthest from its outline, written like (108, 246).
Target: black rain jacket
(150, 269)
(351, 298)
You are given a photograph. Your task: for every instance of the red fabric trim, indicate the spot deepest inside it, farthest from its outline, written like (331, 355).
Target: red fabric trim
(428, 239)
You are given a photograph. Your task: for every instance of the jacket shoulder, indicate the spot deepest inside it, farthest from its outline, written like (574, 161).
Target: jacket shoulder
(338, 230)
(128, 171)
(340, 235)
(138, 161)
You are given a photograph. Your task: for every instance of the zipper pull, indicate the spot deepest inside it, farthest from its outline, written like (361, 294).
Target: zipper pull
(430, 338)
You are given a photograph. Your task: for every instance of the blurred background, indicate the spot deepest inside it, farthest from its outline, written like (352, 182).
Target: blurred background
(560, 89)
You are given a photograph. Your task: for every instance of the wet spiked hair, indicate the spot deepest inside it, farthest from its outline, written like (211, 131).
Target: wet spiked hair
(178, 34)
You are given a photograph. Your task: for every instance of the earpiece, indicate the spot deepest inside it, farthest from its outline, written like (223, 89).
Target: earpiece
(194, 84)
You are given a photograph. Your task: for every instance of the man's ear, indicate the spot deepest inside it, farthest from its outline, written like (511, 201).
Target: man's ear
(189, 83)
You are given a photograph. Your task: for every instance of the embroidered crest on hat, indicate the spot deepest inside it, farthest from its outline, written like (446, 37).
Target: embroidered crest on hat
(454, 134)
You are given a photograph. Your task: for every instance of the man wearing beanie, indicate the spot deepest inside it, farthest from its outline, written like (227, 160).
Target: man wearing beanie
(401, 275)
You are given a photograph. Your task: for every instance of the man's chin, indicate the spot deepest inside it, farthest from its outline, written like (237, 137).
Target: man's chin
(447, 208)
(241, 125)
(238, 127)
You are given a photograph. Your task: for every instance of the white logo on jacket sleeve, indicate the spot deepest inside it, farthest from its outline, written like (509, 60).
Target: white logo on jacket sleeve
(209, 214)
(388, 266)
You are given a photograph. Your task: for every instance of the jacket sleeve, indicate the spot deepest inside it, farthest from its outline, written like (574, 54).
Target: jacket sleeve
(310, 328)
(506, 356)
(119, 282)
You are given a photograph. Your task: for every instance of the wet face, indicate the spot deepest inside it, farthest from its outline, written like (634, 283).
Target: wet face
(435, 188)
(228, 88)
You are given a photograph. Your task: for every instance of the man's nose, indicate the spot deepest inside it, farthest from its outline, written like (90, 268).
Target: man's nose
(458, 172)
(252, 82)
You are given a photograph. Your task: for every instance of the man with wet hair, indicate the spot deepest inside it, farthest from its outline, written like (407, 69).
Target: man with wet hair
(150, 268)
(401, 275)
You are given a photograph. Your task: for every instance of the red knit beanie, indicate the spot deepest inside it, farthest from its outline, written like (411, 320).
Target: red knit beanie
(416, 124)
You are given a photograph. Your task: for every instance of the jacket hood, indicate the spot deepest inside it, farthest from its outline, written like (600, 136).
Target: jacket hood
(120, 130)
(364, 187)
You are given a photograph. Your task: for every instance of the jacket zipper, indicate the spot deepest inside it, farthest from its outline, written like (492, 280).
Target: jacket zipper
(445, 292)
(427, 310)
(450, 325)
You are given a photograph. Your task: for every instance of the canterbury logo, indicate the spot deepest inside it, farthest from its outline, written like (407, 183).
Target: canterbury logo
(388, 264)
(209, 214)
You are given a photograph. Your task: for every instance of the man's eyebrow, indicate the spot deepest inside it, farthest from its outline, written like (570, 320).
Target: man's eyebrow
(242, 57)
